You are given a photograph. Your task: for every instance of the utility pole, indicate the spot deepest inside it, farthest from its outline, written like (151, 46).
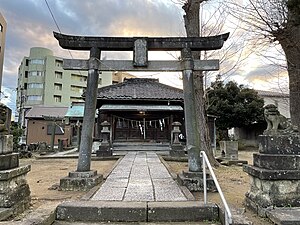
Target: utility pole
(53, 119)
(21, 108)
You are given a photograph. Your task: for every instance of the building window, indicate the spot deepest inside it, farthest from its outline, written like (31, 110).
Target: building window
(59, 130)
(58, 75)
(1, 27)
(37, 61)
(36, 73)
(26, 74)
(76, 99)
(26, 62)
(35, 98)
(77, 77)
(35, 85)
(57, 86)
(59, 63)
(57, 98)
(77, 89)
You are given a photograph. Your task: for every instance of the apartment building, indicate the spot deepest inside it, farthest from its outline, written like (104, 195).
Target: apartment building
(43, 81)
(118, 77)
(2, 45)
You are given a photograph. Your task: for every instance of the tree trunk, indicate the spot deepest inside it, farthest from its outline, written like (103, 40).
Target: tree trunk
(293, 63)
(289, 38)
(192, 27)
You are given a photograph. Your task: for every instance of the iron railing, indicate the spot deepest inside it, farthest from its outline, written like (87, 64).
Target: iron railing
(228, 215)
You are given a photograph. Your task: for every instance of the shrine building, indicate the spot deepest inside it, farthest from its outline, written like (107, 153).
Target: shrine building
(140, 109)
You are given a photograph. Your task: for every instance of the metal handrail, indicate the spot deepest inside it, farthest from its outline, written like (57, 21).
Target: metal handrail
(228, 215)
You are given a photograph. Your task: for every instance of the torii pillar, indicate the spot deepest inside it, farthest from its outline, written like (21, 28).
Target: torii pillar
(84, 178)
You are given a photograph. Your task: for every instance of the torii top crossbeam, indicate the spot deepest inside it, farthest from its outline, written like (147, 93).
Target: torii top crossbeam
(153, 43)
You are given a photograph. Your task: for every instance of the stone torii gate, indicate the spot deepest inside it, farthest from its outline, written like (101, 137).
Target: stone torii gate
(83, 177)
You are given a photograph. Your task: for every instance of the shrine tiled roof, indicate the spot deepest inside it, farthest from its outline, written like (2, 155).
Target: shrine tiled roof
(272, 94)
(139, 89)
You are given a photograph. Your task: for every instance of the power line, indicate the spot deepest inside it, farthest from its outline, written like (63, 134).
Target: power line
(52, 16)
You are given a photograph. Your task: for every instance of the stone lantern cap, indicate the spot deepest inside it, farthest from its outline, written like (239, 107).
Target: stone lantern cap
(105, 127)
(176, 124)
(176, 127)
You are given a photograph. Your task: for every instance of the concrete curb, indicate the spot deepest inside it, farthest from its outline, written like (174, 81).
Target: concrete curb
(102, 211)
(120, 211)
(182, 211)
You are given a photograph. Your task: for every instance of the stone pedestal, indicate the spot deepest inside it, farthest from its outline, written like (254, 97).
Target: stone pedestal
(80, 181)
(177, 150)
(14, 190)
(194, 181)
(275, 174)
(104, 150)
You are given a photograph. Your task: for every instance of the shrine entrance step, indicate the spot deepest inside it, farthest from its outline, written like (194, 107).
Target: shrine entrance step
(143, 223)
(141, 146)
(120, 211)
(284, 216)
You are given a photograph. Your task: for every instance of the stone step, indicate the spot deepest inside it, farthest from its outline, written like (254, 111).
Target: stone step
(121, 211)
(141, 148)
(284, 216)
(5, 213)
(142, 223)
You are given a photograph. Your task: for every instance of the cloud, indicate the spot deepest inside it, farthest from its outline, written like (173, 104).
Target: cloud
(30, 24)
(8, 97)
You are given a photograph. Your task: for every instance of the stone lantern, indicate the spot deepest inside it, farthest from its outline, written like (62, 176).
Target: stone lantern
(177, 149)
(105, 147)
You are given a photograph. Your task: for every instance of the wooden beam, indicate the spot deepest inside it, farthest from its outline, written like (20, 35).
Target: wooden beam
(153, 43)
(153, 66)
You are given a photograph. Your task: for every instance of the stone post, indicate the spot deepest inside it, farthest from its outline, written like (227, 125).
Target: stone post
(230, 149)
(176, 147)
(105, 147)
(84, 178)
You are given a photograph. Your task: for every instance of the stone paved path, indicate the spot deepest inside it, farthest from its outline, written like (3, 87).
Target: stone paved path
(140, 176)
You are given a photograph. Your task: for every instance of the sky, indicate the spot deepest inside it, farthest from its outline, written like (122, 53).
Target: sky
(30, 25)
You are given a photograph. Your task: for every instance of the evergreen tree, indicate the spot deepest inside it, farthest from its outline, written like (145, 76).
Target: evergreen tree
(235, 105)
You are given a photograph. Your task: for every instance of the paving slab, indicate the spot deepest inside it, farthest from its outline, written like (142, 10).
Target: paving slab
(284, 216)
(110, 193)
